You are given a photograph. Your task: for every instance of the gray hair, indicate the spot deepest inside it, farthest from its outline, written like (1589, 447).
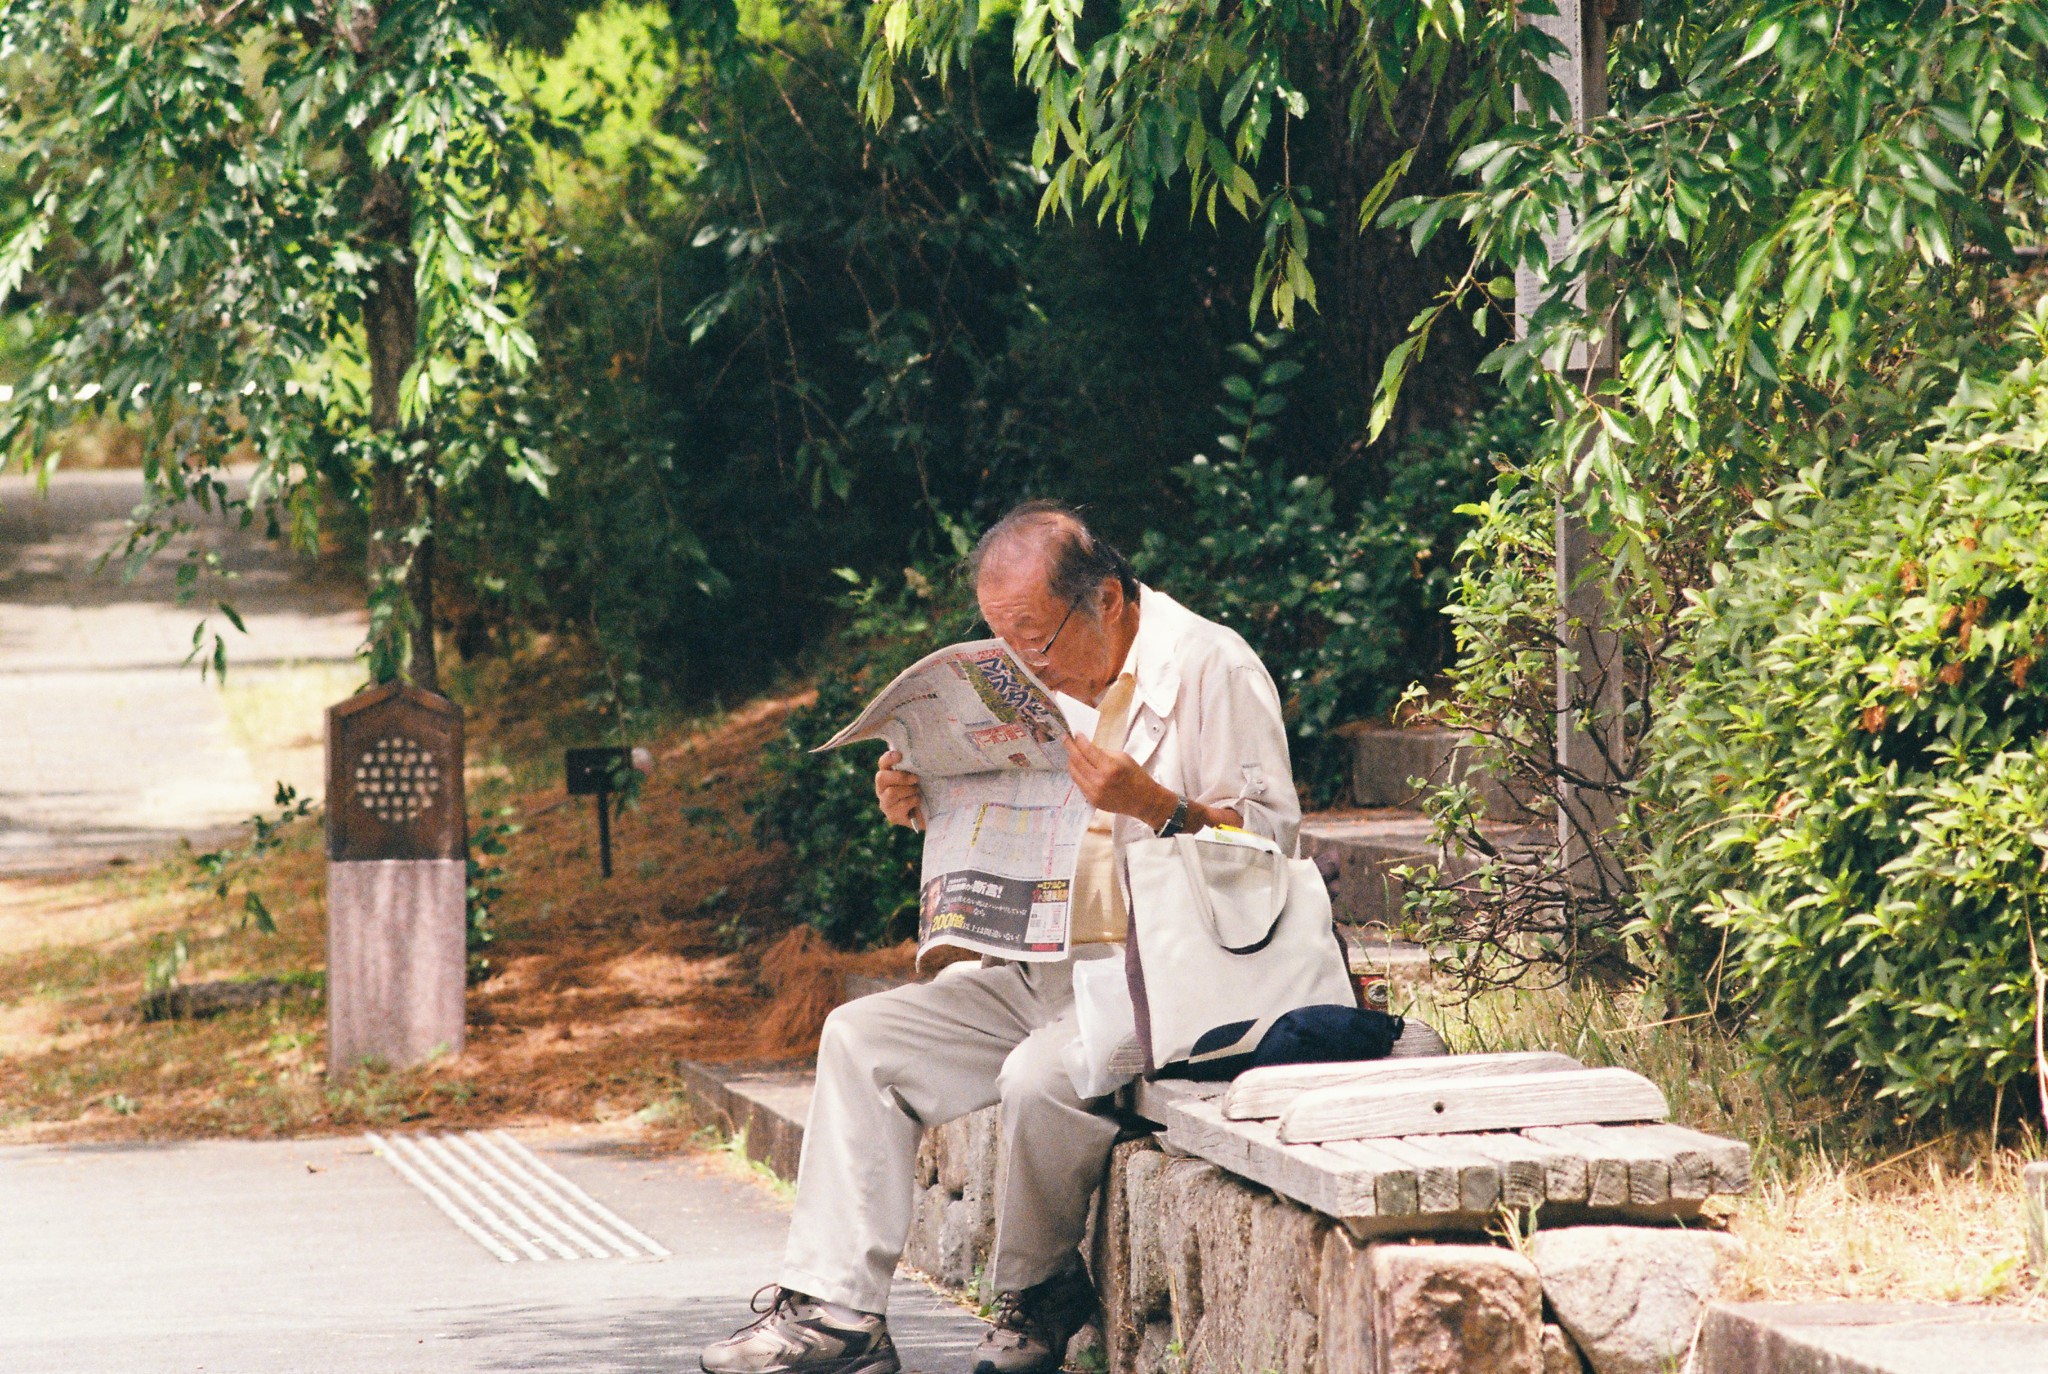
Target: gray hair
(1077, 559)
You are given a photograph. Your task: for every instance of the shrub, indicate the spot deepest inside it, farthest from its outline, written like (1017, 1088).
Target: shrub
(1849, 805)
(1345, 609)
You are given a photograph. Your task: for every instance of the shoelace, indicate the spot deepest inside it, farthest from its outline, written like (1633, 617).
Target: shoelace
(782, 1303)
(1013, 1317)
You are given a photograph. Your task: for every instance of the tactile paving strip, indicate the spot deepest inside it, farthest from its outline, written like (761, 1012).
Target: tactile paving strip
(510, 1202)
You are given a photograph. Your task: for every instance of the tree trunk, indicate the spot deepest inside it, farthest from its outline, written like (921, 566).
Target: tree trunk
(1372, 285)
(401, 561)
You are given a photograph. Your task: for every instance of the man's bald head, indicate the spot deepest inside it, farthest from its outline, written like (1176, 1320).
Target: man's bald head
(1051, 539)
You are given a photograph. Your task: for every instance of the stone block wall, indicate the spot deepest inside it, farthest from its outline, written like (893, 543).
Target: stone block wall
(1203, 1273)
(955, 1226)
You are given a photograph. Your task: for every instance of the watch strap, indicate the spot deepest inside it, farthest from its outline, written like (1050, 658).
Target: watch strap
(1177, 822)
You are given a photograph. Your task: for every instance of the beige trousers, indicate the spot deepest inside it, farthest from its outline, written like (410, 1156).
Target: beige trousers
(895, 1062)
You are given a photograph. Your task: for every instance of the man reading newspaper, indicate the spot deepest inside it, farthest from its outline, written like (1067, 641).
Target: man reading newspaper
(1189, 736)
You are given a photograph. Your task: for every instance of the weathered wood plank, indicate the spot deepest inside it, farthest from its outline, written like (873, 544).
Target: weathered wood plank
(1151, 1098)
(1691, 1167)
(1566, 1175)
(1644, 1166)
(1438, 1180)
(1197, 1127)
(1728, 1160)
(1479, 1174)
(1259, 1093)
(1308, 1174)
(1524, 1166)
(1395, 1189)
(1606, 1169)
(1507, 1102)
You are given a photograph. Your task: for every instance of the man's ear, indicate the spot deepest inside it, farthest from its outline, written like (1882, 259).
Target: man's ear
(1113, 599)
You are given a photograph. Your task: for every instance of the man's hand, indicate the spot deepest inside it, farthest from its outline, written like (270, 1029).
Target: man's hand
(901, 797)
(1114, 782)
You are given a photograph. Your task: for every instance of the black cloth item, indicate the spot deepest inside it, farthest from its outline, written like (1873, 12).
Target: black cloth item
(1307, 1035)
(1327, 1035)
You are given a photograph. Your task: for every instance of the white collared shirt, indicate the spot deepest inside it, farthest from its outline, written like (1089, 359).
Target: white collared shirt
(1206, 720)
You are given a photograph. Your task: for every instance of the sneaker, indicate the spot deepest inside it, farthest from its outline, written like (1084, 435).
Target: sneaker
(794, 1333)
(1030, 1330)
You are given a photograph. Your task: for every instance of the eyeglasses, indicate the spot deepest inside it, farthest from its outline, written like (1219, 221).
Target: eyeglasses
(1043, 655)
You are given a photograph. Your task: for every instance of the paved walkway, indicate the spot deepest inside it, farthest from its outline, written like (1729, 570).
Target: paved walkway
(117, 747)
(260, 1258)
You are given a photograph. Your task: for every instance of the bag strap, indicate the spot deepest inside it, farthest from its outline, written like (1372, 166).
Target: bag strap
(1112, 729)
(1198, 883)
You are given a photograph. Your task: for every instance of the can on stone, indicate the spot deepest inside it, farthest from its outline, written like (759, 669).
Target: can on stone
(397, 845)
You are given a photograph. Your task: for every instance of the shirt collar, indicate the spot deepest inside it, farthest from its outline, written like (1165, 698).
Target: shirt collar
(1154, 658)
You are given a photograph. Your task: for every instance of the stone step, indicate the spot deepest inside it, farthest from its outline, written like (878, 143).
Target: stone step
(1386, 759)
(1363, 848)
(1868, 1338)
(763, 1111)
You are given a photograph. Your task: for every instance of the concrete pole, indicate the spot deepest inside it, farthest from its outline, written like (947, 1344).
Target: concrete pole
(1589, 678)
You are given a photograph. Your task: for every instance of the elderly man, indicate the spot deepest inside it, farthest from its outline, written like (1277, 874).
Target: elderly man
(1203, 745)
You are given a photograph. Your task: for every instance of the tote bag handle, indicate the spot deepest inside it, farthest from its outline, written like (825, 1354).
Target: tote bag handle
(1266, 906)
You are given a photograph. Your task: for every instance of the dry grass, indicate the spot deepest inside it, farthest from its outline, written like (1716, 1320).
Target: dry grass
(1942, 1226)
(1847, 1206)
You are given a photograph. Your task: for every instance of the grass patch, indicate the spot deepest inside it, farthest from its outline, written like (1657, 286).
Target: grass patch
(1848, 1203)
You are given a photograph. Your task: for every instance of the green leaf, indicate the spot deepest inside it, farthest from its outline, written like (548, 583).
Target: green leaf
(1761, 40)
(1384, 187)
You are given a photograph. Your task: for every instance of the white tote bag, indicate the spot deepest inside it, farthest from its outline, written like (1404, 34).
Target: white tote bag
(1227, 935)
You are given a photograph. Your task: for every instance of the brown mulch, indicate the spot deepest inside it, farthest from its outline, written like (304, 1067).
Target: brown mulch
(594, 988)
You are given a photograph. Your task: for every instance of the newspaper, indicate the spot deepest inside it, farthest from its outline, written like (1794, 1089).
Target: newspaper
(1003, 820)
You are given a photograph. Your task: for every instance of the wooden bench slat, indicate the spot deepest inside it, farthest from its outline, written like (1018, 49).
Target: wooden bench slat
(1691, 1171)
(1625, 1167)
(1506, 1102)
(1728, 1160)
(1438, 1175)
(1396, 1189)
(1524, 1165)
(1308, 1174)
(1566, 1174)
(1259, 1093)
(1431, 1180)
(1479, 1174)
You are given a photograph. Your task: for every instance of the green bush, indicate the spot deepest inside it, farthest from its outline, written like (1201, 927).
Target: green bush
(855, 876)
(1848, 812)
(1345, 609)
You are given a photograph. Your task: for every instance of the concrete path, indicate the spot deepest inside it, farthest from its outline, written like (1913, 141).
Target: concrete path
(113, 746)
(260, 1258)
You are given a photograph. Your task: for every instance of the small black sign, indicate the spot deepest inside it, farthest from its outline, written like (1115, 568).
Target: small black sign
(597, 772)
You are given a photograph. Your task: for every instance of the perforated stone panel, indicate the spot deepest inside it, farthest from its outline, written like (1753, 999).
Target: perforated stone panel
(394, 776)
(397, 779)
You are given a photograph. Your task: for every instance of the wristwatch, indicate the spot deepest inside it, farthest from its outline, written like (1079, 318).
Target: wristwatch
(1177, 822)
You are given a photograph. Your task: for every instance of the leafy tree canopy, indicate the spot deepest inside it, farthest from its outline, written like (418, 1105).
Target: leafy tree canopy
(277, 231)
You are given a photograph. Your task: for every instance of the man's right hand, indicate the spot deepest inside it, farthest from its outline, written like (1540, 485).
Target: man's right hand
(899, 793)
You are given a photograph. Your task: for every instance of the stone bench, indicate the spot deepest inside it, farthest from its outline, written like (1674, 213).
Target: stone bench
(1221, 1247)
(1430, 1183)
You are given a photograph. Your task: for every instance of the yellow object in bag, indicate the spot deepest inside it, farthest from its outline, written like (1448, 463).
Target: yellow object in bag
(1099, 912)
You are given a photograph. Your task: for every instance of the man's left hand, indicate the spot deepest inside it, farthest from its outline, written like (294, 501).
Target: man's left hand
(1112, 781)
